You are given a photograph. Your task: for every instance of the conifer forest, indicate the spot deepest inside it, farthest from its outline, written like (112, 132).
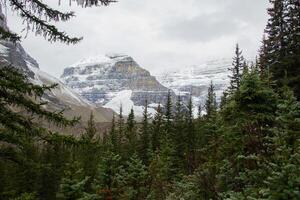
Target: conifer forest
(245, 146)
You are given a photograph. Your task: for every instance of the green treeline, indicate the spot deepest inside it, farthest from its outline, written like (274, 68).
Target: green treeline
(245, 147)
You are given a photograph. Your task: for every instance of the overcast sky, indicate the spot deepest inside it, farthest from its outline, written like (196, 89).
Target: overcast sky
(158, 34)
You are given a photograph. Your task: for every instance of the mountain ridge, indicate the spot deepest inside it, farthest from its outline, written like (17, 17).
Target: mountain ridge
(109, 80)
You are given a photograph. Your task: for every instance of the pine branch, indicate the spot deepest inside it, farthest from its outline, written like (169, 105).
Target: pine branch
(41, 27)
(6, 34)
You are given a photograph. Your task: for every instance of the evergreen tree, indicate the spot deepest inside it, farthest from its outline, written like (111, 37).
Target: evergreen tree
(114, 136)
(178, 137)
(191, 138)
(248, 117)
(120, 133)
(168, 114)
(199, 112)
(158, 171)
(293, 46)
(157, 129)
(281, 51)
(106, 183)
(236, 70)
(54, 157)
(73, 183)
(283, 175)
(131, 133)
(21, 133)
(133, 180)
(211, 102)
(263, 60)
(145, 149)
(89, 151)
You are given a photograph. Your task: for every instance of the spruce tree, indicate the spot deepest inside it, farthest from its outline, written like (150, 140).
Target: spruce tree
(236, 70)
(190, 137)
(120, 133)
(293, 48)
(157, 129)
(281, 53)
(178, 136)
(18, 129)
(132, 181)
(73, 183)
(211, 102)
(89, 151)
(168, 114)
(131, 134)
(283, 181)
(248, 119)
(199, 112)
(263, 63)
(114, 135)
(106, 183)
(145, 148)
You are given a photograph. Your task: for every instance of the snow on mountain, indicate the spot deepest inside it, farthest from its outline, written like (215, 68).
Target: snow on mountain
(196, 79)
(123, 98)
(115, 79)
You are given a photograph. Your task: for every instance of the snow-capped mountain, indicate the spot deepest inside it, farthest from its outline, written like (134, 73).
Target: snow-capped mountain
(115, 80)
(196, 79)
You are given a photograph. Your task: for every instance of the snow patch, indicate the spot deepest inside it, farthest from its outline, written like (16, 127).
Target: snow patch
(123, 98)
(108, 59)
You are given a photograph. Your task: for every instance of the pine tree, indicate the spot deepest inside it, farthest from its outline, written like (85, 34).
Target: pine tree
(158, 171)
(249, 117)
(178, 137)
(211, 102)
(18, 92)
(168, 114)
(263, 60)
(107, 180)
(131, 133)
(293, 46)
(113, 136)
(89, 152)
(191, 138)
(73, 183)
(145, 136)
(53, 157)
(283, 181)
(120, 133)
(224, 99)
(157, 129)
(281, 53)
(199, 112)
(236, 70)
(133, 180)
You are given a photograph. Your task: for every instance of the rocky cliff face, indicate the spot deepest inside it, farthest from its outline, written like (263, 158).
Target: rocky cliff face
(112, 80)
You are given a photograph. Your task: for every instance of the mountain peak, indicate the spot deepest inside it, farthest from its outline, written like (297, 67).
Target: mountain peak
(115, 79)
(107, 59)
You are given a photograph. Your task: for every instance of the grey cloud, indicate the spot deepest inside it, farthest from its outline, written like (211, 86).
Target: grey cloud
(201, 28)
(230, 18)
(157, 33)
